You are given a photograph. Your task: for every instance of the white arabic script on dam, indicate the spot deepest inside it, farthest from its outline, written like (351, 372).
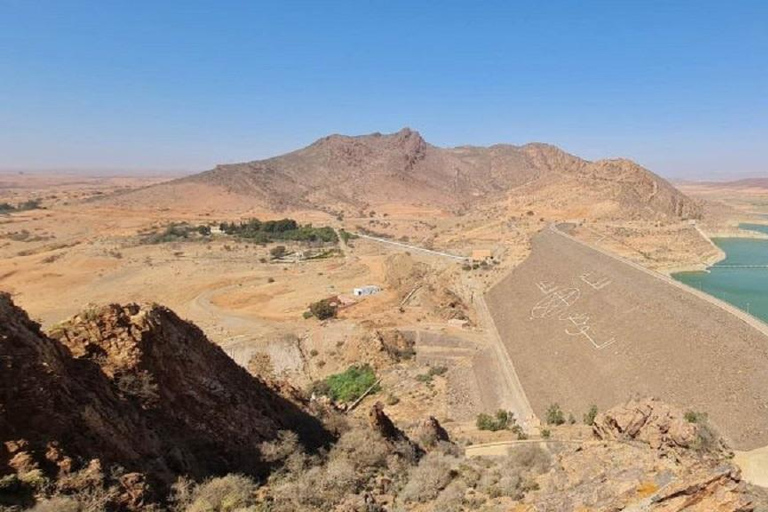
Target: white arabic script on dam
(558, 301)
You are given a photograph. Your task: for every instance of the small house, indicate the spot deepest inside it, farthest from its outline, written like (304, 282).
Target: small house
(366, 290)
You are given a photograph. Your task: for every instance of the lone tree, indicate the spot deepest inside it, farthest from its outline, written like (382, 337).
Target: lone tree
(323, 309)
(277, 252)
(589, 417)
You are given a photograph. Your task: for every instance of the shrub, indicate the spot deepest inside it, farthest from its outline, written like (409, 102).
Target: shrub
(32, 204)
(323, 309)
(451, 498)
(695, 417)
(432, 475)
(347, 236)
(707, 438)
(175, 232)
(225, 494)
(432, 372)
(364, 447)
(546, 433)
(15, 491)
(57, 504)
(589, 417)
(140, 385)
(424, 377)
(277, 252)
(438, 370)
(287, 442)
(528, 458)
(500, 421)
(351, 384)
(555, 415)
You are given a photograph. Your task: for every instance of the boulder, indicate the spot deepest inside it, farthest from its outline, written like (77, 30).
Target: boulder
(656, 423)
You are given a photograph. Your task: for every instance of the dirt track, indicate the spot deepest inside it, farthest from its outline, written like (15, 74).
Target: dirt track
(583, 327)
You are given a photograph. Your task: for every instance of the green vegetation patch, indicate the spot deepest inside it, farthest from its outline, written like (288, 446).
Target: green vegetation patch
(322, 310)
(555, 415)
(347, 236)
(502, 420)
(274, 230)
(176, 232)
(695, 417)
(589, 417)
(32, 204)
(349, 385)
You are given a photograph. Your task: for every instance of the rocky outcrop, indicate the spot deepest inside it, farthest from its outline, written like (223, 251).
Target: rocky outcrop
(138, 387)
(430, 433)
(660, 425)
(383, 425)
(706, 490)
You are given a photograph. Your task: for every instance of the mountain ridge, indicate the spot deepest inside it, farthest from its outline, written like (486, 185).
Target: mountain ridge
(342, 173)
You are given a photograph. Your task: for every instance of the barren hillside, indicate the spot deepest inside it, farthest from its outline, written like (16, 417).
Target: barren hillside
(136, 387)
(342, 174)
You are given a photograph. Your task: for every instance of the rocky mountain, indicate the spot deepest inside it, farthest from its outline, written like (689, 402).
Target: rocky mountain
(347, 173)
(135, 387)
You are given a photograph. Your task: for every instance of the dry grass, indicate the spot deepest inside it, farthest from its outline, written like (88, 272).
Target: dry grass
(226, 494)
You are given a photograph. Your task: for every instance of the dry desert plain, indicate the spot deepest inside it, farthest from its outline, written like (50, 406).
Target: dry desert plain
(85, 246)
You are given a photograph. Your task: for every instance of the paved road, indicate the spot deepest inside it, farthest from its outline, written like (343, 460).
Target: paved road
(584, 326)
(413, 247)
(501, 448)
(754, 466)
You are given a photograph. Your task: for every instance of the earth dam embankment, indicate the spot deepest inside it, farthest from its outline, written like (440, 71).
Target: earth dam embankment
(583, 327)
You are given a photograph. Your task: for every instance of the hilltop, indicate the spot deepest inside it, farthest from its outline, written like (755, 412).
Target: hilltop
(347, 174)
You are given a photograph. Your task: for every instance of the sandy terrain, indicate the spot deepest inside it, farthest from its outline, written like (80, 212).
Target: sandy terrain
(84, 248)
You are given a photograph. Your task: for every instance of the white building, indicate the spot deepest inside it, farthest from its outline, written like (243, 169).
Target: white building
(366, 290)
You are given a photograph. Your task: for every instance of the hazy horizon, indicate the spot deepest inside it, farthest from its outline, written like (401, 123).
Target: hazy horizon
(180, 87)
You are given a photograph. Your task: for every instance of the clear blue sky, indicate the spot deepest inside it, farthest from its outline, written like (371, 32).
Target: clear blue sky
(681, 87)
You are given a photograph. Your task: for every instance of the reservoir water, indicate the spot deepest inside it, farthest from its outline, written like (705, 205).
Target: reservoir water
(746, 288)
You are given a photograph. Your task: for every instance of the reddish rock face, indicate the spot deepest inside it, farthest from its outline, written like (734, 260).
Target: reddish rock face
(138, 387)
(652, 421)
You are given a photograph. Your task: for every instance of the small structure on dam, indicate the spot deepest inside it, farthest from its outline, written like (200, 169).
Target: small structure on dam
(583, 327)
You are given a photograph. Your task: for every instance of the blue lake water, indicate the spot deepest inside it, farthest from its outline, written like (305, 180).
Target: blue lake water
(745, 288)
